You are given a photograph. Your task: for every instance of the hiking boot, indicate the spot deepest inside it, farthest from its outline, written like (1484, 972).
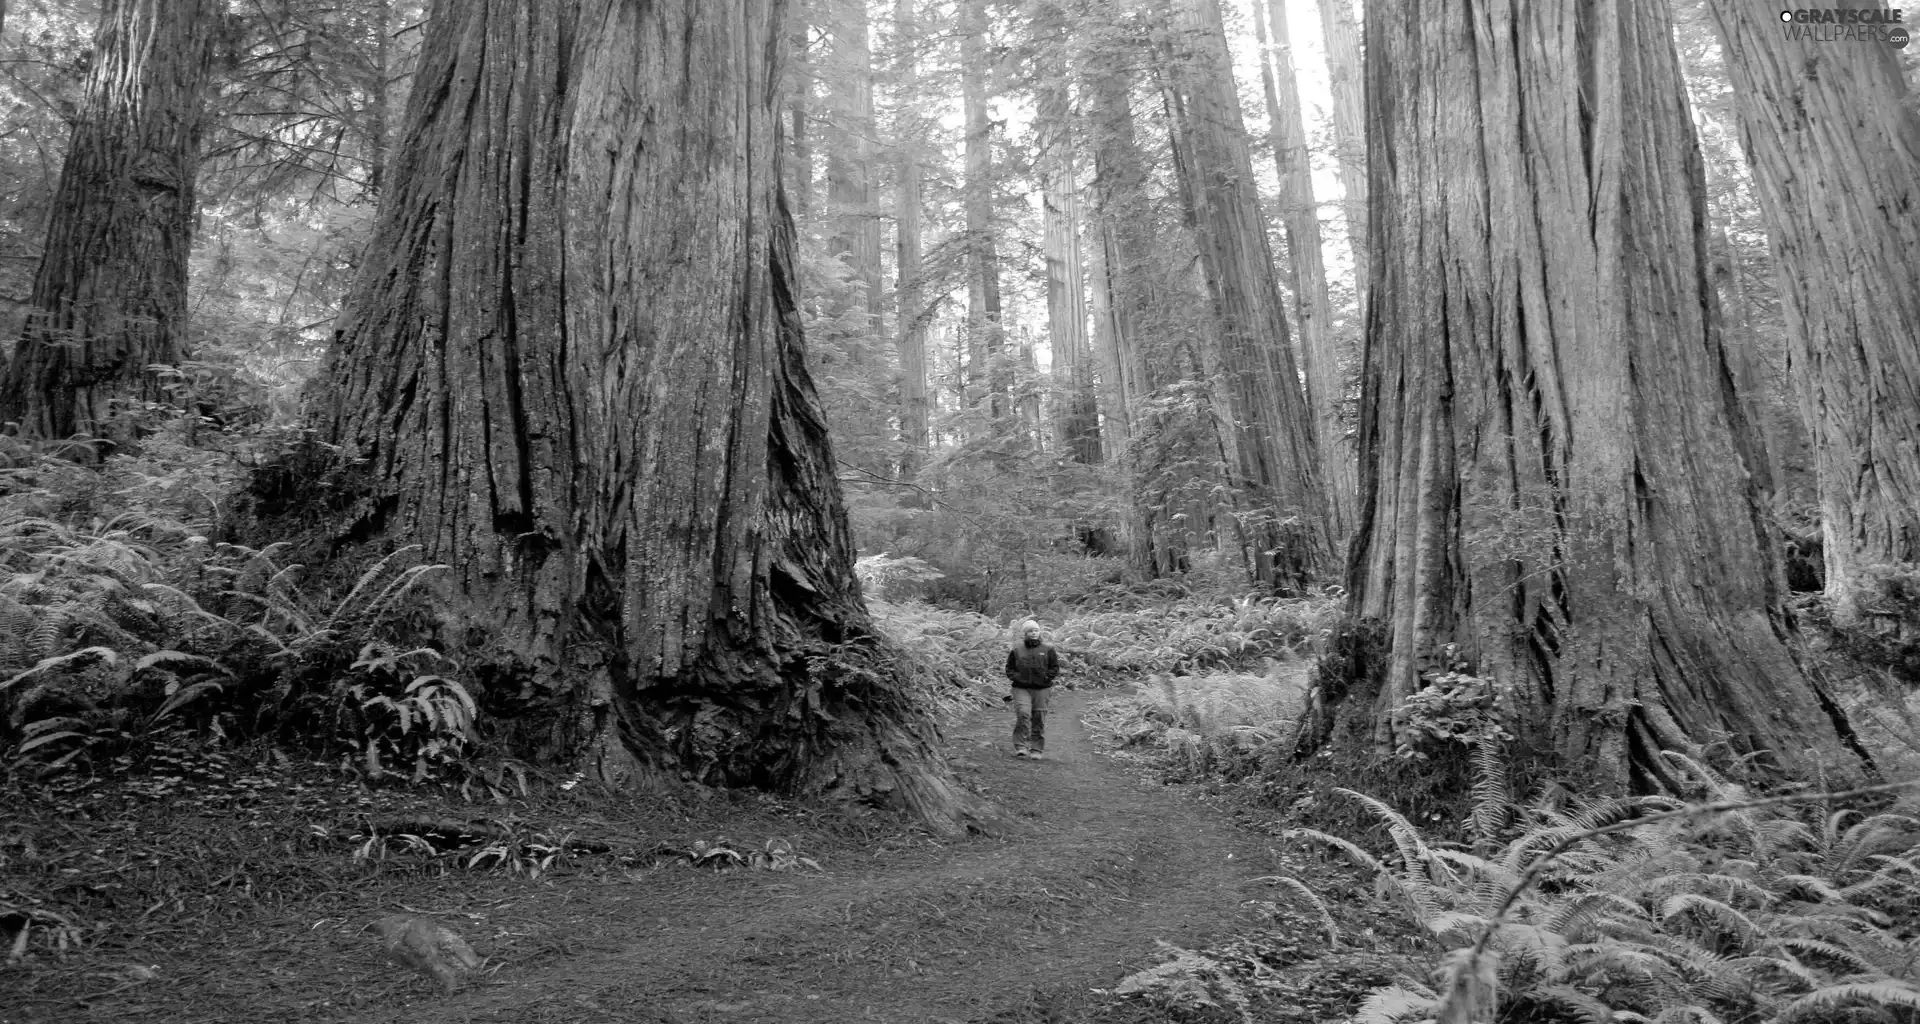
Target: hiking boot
(1020, 752)
(1036, 755)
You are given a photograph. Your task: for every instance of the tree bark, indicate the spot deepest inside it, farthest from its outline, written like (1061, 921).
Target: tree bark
(573, 371)
(856, 238)
(1832, 133)
(1556, 491)
(1077, 423)
(1274, 453)
(1349, 133)
(986, 365)
(1322, 354)
(110, 297)
(915, 408)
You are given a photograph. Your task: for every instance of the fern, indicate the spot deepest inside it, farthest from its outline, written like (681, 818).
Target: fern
(1884, 992)
(1312, 899)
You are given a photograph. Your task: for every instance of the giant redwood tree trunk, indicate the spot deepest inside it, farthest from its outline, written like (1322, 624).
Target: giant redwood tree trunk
(110, 297)
(1832, 133)
(1554, 486)
(572, 370)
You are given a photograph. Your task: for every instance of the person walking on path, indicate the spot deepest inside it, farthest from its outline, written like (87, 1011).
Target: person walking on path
(1032, 666)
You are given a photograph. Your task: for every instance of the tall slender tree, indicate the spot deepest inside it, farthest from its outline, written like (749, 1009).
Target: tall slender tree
(1077, 421)
(1349, 131)
(986, 334)
(1832, 133)
(1322, 354)
(1273, 450)
(110, 297)
(910, 317)
(572, 370)
(1555, 493)
(850, 165)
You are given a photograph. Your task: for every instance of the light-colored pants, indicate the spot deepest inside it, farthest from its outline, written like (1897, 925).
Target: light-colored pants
(1030, 719)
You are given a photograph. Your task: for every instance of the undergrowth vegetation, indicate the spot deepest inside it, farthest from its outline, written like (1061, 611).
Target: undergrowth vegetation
(123, 618)
(1733, 908)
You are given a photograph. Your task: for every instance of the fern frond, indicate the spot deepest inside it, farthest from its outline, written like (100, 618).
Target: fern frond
(85, 655)
(1360, 858)
(1397, 1004)
(1701, 907)
(1585, 1008)
(1311, 898)
(1817, 1004)
(1572, 917)
(1405, 834)
(1492, 801)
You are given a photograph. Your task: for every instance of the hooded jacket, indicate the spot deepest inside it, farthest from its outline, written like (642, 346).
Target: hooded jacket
(1032, 666)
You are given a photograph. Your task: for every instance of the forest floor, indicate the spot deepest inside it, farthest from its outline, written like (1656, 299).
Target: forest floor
(258, 911)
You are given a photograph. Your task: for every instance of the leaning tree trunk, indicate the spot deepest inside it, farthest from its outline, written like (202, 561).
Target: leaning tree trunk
(1832, 133)
(572, 370)
(1555, 490)
(110, 298)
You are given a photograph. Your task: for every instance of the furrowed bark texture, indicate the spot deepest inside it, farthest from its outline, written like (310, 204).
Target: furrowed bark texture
(574, 372)
(1555, 488)
(1275, 456)
(110, 297)
(1832, 132)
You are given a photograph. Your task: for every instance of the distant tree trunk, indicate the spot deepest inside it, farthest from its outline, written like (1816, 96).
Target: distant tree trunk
(986, 370)
(1556, 491)
(856, 229)
(799, 90)
(1078, 422)
(1349, 132)
(1320, 348)
(1274, 452)
(110, 298)
(379, 120)
(573, 371)
(1832, 132)
(912, 318)
(1122, 294)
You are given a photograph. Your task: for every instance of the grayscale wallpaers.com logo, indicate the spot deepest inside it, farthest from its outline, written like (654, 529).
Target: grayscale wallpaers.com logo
(1830, 25)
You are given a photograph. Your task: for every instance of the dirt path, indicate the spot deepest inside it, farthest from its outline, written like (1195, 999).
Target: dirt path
(899, 928)
(1014, 929)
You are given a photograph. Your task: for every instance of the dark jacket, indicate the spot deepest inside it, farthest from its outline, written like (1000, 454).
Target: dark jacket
(1032, 668)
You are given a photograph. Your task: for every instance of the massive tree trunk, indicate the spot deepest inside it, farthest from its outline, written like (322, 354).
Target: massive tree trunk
(110, 298)
(1555, 486)
(1273, 450)
(1322, 355)
(1077, 422)
(1832, 133)
(572, 370)
(915, 408)
(1349, 133)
